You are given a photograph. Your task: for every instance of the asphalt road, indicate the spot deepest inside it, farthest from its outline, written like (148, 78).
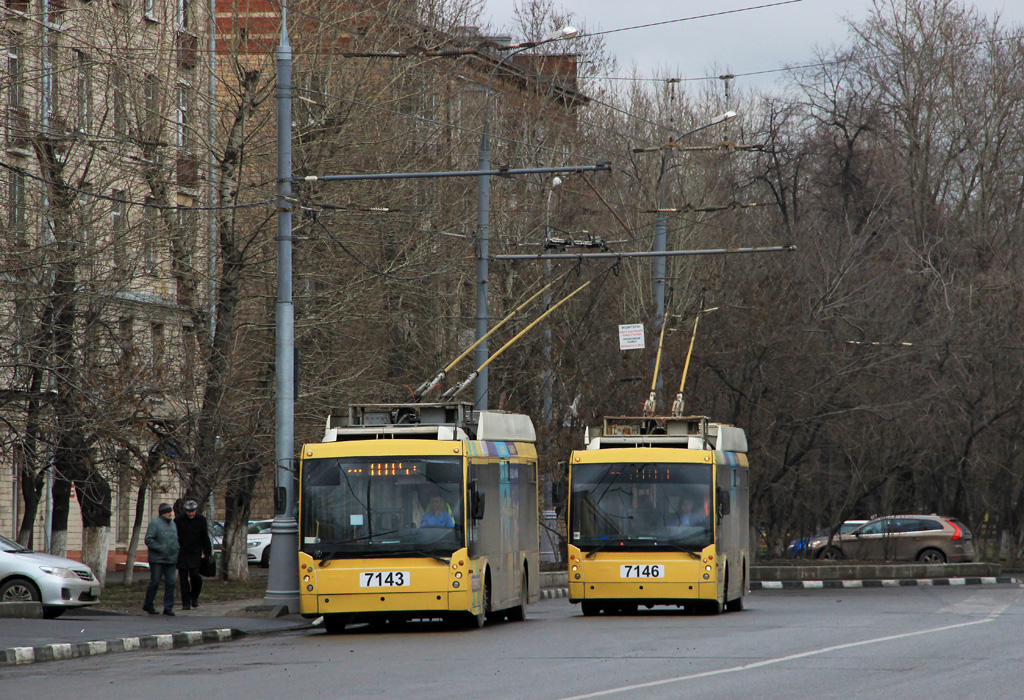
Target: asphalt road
(928, 642)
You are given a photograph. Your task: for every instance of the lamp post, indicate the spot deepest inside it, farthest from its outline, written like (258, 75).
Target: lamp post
(661, 227)
(546, 412)
(483, 208)
(283, 579)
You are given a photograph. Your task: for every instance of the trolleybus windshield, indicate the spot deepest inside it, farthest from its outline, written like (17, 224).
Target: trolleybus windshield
(641, 505)
(382, 506)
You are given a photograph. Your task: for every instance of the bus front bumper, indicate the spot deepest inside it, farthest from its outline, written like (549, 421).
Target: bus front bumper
(642, 591)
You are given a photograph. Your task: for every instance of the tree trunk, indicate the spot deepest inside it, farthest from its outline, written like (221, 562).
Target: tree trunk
(94, 497)
(59, 515)
(133, 543)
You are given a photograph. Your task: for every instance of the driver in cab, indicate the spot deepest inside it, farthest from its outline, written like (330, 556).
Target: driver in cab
(437, 514)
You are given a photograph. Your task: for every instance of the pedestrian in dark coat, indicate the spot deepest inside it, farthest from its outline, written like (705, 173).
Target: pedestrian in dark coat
(162, 540)
(195, 546)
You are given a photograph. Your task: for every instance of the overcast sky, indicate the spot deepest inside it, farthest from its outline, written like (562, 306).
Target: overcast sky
(743, 42)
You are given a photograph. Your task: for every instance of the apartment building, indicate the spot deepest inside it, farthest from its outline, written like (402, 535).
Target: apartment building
(103, 259)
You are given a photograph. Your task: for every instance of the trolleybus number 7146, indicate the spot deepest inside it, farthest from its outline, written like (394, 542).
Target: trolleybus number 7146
(382, 579)
(642, 571)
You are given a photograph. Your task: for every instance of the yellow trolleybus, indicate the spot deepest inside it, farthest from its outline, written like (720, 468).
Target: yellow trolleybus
(659, 515)
(419, 511)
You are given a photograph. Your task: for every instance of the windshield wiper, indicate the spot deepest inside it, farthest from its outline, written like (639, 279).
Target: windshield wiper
(414, 552)
(681, 548)
(598, 548)
(336, 552)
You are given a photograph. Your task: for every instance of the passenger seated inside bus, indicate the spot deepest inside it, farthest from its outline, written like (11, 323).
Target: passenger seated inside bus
(438, 514)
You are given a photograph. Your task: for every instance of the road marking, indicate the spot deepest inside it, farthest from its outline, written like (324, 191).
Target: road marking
(783, 659)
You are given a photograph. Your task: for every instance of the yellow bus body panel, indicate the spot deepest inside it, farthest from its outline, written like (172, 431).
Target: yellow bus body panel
(335, 588)
(601, 577)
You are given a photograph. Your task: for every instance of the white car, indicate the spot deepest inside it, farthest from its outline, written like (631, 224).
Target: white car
(58, 583)
(257, 541)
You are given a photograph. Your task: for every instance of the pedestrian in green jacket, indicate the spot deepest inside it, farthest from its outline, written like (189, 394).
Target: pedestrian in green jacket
(162, 540)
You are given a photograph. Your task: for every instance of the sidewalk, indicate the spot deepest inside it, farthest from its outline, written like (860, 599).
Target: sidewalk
(88, 632)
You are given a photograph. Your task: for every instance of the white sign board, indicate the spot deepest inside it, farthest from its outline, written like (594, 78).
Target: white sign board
(631, 336)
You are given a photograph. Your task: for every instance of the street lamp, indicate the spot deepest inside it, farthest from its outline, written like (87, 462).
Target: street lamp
(661, 226)
(483, 208)
(283, 576)
(546, 412)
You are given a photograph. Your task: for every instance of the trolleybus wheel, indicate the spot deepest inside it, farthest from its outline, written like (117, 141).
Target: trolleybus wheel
(736, 604)
(335, 624)
(477, 621)
(518, 613)
(590, 608)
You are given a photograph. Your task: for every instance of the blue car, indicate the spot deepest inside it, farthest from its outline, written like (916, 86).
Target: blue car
(798, 548)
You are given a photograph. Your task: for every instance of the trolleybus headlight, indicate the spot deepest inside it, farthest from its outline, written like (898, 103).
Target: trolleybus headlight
(707, 568)
(577, 576)
(458, 574)
(575, 568)
(309, 588)
(455, 584)
(306, 578)
(707, 576)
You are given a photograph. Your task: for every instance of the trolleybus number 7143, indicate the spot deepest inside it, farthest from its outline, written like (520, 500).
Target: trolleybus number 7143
(642, 571)
(382, 579)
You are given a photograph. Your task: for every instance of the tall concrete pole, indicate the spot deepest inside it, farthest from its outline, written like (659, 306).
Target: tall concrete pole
(660, 246)
(283, 579)
(483, 218)
(483, 232)
(661, 231)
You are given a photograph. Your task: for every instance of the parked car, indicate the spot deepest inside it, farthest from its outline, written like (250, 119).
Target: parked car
(257, 541)
(798, 548)
(58, 583)
(930, 539)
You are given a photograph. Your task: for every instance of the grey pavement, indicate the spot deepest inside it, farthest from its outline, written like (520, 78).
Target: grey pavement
(88, 632)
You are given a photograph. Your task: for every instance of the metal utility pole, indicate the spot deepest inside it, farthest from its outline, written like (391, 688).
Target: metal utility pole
(548, 378)
(483, 214)
(661, 228)
(283, 579)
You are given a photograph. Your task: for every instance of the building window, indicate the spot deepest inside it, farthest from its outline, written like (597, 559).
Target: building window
(119, 102)
(183, 11)
(83, 92)
(125, 330)
(184, 116)
(16, 91)
(17, 113)
(85, 223)
(150, 221)
(188, 356)
(16, 214)
(157, 340)
(151, 94)
(119, 229)
(51, 83)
